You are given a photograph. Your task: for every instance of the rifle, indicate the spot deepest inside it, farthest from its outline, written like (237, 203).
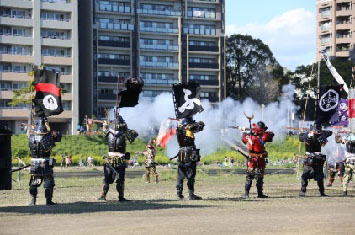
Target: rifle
(298, 129)
(236, 148)
(241, 128)
(20, 168)
(173, 157)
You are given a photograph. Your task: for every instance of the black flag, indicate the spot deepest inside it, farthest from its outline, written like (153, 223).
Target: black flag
(187, 99)
(328, 102)
(130, 96)
(47, 101)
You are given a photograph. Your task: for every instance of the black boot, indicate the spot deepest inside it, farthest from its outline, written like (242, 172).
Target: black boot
(247, 188)
(105, 189)
(192, 196)
(259, 187)
(345, 193)
(179, 189)
(120, 190)
(48, 192)
(304, 184)
(33, 192)
(321, 188)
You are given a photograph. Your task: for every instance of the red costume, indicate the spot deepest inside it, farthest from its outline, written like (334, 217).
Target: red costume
(256, 140)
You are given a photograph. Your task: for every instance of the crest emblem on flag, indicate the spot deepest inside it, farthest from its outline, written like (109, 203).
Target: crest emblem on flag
(329, 100)
(328, 103)
(187, 99)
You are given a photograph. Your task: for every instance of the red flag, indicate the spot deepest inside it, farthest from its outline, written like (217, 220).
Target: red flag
(351, 108)
(166, 131)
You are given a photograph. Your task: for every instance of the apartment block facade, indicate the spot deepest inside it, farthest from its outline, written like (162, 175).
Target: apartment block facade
(335, 25)
(162, 41)
(36, 32)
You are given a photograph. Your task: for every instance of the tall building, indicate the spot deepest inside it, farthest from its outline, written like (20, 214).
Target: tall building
(334, 27)
(162, 41)
(36, 32)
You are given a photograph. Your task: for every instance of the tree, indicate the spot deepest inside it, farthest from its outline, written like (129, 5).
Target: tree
(246, 58)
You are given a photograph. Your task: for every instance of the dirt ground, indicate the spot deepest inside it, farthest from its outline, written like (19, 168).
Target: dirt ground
(154, 209)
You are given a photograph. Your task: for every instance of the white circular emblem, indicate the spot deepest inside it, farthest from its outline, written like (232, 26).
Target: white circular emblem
(50, 102)
(329, 100)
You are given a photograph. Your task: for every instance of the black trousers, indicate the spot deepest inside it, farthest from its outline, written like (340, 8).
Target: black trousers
(110, 177)
(186, 170)
(312, 172)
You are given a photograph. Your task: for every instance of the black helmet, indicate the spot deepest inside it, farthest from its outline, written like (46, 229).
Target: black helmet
(262, 125)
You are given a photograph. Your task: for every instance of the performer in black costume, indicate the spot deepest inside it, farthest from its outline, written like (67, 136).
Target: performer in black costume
(188, 155)
(313, 163)
(115, 166)
(41, 141)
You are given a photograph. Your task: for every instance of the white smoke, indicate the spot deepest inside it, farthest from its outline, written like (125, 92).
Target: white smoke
(277, 116)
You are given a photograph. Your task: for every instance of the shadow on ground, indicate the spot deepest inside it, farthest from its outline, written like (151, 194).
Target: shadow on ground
(90, 207)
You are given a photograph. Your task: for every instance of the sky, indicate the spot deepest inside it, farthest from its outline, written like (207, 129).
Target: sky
(288, 27)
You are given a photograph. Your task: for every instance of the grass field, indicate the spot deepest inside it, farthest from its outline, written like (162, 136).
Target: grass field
(154, 209)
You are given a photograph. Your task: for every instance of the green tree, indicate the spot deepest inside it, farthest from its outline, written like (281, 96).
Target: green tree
(247, 58)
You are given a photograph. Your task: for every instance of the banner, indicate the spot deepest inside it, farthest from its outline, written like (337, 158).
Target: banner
(47, 100)
(130, 96)
(341, 118)
(351, 106)
(334, 72)
(327, 103)
(187, 99)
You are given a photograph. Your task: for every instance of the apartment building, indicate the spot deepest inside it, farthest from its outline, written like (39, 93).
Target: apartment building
(36, 32)
(334, 28)
(162, 41)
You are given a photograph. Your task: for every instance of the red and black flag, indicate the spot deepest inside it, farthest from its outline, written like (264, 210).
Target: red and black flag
(130, 96)
(328, 103)
(187, 99)
(47, 100)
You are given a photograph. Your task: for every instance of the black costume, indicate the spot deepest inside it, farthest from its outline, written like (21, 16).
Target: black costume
(313, 163)
(41, 141)
(188, 155)
(115, 166)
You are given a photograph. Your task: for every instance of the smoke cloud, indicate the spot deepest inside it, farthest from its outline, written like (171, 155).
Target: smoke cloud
(148, 115)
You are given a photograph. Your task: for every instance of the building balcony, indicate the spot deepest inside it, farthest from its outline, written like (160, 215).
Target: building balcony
(159, 13)
(24, 4)
(57, 60)
(56, 42)
(204, 65)
(159, 30)
(17, 58)
(66, 78)
(14, 76)
(21, 22)
(159, 64)
(111, 26)
(109, 96)
(107, 79)
(160, 47)
(67, 96)
(200, 31)
(16, 40)
(149, 81)
(7, 95)
(107, 43)
(114, 61)
(206, 82)
(56, 5)
(343, 13)
(203, 48)
(14, 113)
(56, 24)
(341, 53)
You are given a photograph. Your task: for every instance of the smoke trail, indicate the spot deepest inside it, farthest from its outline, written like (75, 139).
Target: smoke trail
(148, 115)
